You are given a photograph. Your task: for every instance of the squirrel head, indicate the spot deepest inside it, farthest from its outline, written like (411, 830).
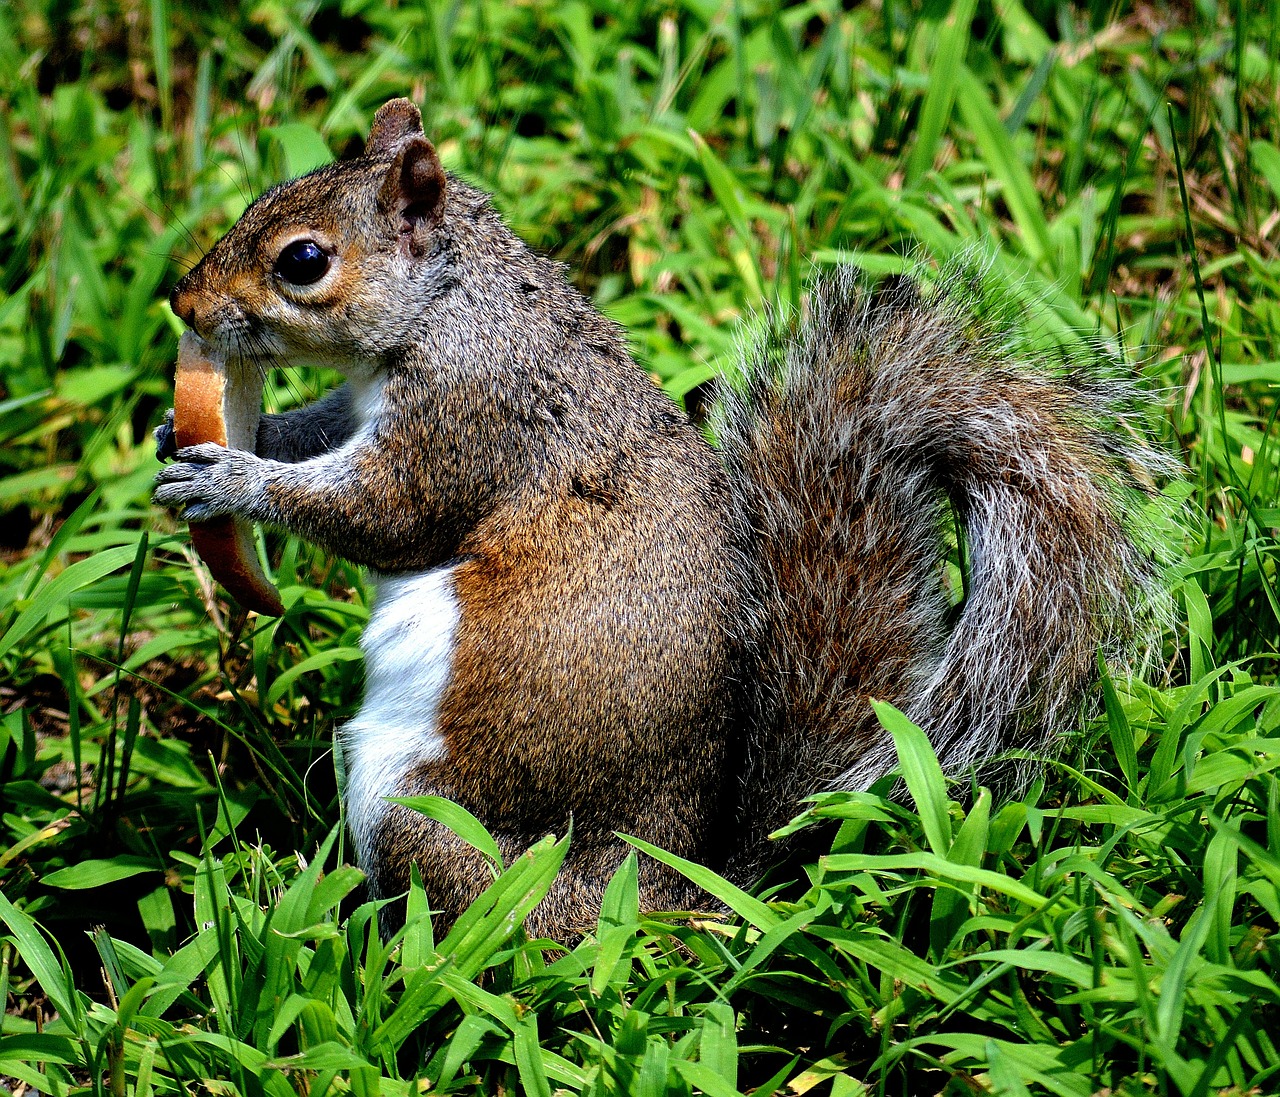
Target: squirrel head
(334, 268)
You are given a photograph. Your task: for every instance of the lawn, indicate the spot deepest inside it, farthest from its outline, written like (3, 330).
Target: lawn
(178, 909)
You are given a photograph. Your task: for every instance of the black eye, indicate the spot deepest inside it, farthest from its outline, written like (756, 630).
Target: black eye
(302, 263)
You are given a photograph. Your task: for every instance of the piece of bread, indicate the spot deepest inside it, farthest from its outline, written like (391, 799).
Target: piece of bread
(217, 401)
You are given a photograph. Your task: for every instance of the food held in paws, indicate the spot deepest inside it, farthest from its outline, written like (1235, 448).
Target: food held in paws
(215, 400)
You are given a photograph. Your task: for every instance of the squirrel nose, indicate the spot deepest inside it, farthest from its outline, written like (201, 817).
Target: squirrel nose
(183, 302)
(184, 308)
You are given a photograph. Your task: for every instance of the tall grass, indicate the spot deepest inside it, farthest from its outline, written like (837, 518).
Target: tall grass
(179, 915)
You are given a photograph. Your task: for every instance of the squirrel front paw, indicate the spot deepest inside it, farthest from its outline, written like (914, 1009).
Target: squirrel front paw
(208, 481)
(166, 440)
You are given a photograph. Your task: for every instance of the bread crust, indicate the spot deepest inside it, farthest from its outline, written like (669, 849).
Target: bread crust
(214, 403)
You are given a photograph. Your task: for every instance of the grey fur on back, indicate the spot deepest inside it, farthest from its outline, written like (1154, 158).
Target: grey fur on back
(843, 441)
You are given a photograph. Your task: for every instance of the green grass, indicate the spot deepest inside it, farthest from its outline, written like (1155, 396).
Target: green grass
(178, 915)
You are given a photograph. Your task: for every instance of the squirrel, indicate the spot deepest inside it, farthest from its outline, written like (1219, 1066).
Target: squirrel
(585, 613)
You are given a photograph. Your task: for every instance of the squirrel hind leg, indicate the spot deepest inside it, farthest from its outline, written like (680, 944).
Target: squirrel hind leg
(454, 874)
(571, 907)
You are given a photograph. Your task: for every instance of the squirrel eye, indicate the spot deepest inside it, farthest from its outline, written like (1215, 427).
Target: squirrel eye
(302, 263)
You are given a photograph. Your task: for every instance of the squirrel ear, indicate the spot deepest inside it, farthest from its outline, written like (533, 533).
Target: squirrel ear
(396, 119)
(414, 187)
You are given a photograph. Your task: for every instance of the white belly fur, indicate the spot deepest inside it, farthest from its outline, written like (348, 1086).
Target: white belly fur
(408, 653)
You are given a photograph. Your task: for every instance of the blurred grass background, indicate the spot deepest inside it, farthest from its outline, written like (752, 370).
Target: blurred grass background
(165, 765)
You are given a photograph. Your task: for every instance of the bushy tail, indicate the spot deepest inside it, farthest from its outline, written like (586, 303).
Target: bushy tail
(844, 444)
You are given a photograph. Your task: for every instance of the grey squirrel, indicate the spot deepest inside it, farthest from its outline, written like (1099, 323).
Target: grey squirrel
(583, 610)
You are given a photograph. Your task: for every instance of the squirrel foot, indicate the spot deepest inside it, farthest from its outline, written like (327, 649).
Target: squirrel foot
(209, 480)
